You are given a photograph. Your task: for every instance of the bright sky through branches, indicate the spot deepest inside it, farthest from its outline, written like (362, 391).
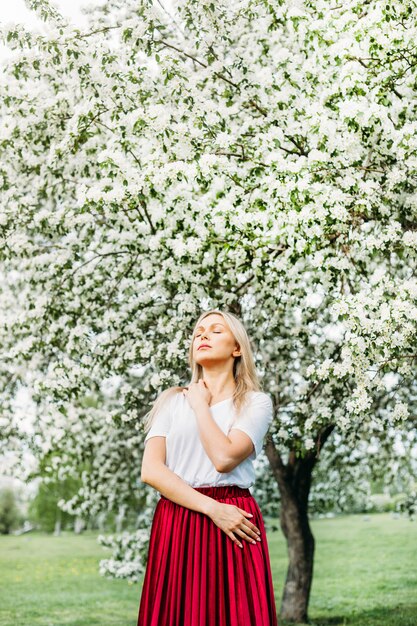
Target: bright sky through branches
(17, 12)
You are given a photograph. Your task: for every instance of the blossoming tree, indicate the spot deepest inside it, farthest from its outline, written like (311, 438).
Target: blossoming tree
(258, 156)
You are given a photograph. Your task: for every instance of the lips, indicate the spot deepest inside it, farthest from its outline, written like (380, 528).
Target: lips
(204, 345)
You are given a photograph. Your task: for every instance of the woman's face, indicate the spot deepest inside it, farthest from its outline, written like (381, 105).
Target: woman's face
(214, 333)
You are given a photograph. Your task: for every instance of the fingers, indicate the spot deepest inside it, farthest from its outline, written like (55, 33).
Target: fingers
(244, 528)
(234, 539)
(251, 529)
(244, 512)
(244, 536)
(248, 535)
(248, 532)
(248, 523)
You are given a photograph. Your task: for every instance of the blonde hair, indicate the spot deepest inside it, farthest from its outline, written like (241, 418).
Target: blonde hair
(244, 370)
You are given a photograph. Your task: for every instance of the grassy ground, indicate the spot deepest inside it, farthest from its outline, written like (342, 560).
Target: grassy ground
(365, 571)
(365, 575)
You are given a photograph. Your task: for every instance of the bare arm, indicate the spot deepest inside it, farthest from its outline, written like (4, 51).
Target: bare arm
(156, 474)
(231, 519)
(224, 451)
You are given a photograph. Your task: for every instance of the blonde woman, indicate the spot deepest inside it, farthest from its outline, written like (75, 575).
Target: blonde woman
(208, 561)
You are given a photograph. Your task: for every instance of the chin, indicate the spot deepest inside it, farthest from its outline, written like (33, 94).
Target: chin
(202, 357)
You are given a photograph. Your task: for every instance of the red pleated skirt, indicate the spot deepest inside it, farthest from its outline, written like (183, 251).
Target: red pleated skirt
(197, 576)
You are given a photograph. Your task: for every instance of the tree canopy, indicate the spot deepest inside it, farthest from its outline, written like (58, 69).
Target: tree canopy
(257, 156)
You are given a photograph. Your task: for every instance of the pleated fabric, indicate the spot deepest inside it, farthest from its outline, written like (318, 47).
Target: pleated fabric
(197, 576)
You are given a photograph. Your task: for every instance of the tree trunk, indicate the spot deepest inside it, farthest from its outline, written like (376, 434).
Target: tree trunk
(119, 518)
(57, 529)
(78, 525)
(300, 541)
(294, 482)
(101, 519)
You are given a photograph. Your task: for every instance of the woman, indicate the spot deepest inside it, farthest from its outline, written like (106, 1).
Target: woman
(208, 561)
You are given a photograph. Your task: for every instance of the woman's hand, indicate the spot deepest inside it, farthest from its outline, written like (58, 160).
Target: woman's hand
(231, 519)
(197, 394)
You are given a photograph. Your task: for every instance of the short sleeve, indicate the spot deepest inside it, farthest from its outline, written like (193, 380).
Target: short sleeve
(256, 419)
(162, 421)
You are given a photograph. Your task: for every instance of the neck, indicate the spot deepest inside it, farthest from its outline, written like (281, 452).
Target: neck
(219, 383)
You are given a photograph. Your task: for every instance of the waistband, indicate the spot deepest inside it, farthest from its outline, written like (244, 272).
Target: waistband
(224, 491)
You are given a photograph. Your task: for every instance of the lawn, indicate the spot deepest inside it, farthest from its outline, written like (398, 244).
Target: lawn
(365, 575)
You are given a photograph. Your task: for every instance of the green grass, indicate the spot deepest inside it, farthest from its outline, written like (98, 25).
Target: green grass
(54, 581)
(365, 575)
(365, 571)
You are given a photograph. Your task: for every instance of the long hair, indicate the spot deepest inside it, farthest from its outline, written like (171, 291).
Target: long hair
(244, 370)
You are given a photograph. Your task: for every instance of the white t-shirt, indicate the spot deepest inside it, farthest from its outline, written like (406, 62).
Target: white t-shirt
(185, 454)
